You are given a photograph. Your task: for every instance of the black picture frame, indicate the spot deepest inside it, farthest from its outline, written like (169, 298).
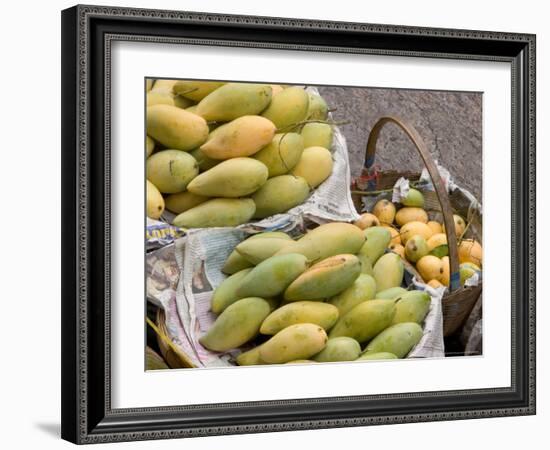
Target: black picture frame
(87, 33)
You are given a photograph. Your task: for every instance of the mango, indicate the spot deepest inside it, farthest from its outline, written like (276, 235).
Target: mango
(166, 85)
(175, 127)
(436, 240)
(412, 306)
(326, 240)
(376, 356)
(226, 293)
(460, 225)
(258, 250)
(250, 358)
(155, 202)
(416, 248)
(300, 341)
(236, 325)
(234, 100)
(398, 339)
(195, 90)
(388, 271)
(391, 293)
(149, 145)
(315, 165)
(445, 277)
(288, 107)
(466, 271)
(192, 109)
(317, 108)
(365, 320)
(398, 249)
(411, 214)
(435, 284)
(219, 212)
(235, 177)
(341, 348)
(376, 241)
(363, 288)
(317, 135)
(411, 229)
(182, 201)
(430, 267)
(318, 313)
(385, 211)
(395, 235)
(205, 163)
(272, 276)
(171, 170)
(413, 198)
(159, 97)
(435, 227)
(276, 89)
(279, 194)
(366, 265)
(470, 250)
(325, 279)
(182, 102)
(282, 153)
(367, 220)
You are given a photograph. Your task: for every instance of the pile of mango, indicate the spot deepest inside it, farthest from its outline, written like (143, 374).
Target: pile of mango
(422, 241)
(221, 154)
(333, 294)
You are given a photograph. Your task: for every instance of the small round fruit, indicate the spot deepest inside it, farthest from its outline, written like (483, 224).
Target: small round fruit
(435, 227)
(385, 211)
(155, 202)
(470, 251)
(411, 228)
(398, 248)
(367, 220)
(395, 236)
(436, 240)
(430, 267)
(411, 214)
(416, 248)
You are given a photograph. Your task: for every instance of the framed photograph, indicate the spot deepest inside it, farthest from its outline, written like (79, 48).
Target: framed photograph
(260, 214)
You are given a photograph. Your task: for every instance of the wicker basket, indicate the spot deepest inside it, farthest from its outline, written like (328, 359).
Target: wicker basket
(458, 301)
(173, 356)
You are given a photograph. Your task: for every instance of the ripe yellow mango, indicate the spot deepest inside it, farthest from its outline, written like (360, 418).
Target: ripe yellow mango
(412, 306)
(241, 137)
(236, 177)
(300, 341)
(325, 279)
(460, 225)
(276, 89)
(435, 284)
(398, 339)
(416, 248)
(219, 212)
(376, 241)
(236, 325)
(376, 356)
(315, 165)
(171, 170)
(413, 198)
(258, 250)
(317, 108)
(175, 127)
(282, 153)
(341, 348)
(288, 107)
(279, 194)
(182, 201)
(317, 135)
(363, 288)
(326, 240)
(436, 240)
(149, 145)
(318, 313)
(395, 235)
(388, 271)
(160, 97)
(435, 227)
(411, 229)
(445, 277)
(430, 267)
(250, 358)
(365, 320)
(470, 250)
(367, 220)
(233, 100)
(410, 214)
(155, 202)
(226, 293)
(385, 211)
(195, 90)
(391, 293)
(272, 276)
(397, 249)
(203, 161)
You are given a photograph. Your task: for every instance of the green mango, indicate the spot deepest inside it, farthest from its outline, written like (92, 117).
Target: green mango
(182, 102)
(287, 108)
(236, 325)
(325, 279)
(279, 194)
(272, 276)
(375, 356)
(204, 161)
(282, 154)
(226, 293)
(363, 288)
(300, 341)
(318, 313)
(339, 349)
(377, 240)
(365, 320)
(412, 306)
(219, 212)
(391, 293)
(171, 170)
(257, 250)
(250, 358)
(398, 339)
(182, 201)
(317, 109)
(414, 198)
(415, 248)
(317, 135)
(388, 271)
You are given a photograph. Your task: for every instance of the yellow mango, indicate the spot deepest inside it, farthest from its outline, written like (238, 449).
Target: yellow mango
(288, 107)
(149, 145)
(182, 201)
(385, 211)
(241, 137)
(296, 342)
(250, 358)
(445, 277)
(435, 227)
(341, 348)
(315, 165)
(398, 339)
(282, 153)
(166, 85)
(435, 284)
(363, 288)
(279, 194)
(470, 250)
(460, 225)
(236, 325)
(235, 177)
(171, 170)
(430, 267)
(410, 214)
(175, 127)
(398, 249)
(365, 320)
(276, 89)
(395, 236)
(318, 313)
(367, 220)
(233, 100)
(226, 293)
(257, 250)
(219, 212)
(411, 229)
(376, 241)
(317, 135)
(376, 356)
(155, 202)
(416, 248)
(317, 108)
(388, 271)
(195, 90)
(412, 306)
(436, 240)
(159, 97)
(325, 279)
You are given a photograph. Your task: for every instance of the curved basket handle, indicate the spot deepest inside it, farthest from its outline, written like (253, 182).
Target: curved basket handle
(436, 181)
